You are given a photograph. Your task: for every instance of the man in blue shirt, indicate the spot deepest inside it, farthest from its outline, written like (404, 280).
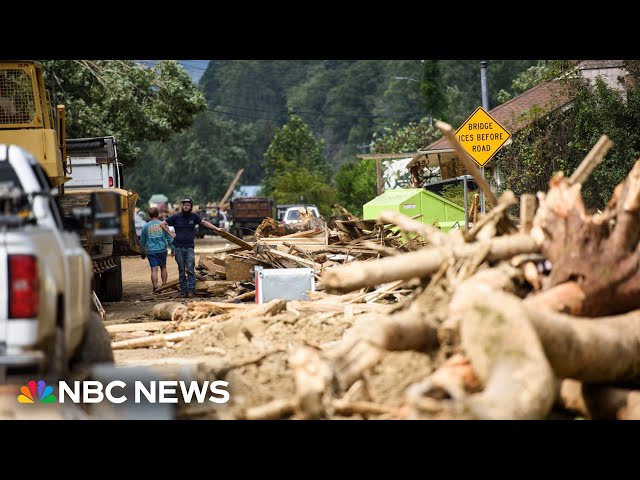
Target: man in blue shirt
(184, 224)
(155, 241)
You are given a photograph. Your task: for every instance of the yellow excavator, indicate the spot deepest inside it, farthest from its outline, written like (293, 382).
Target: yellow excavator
(27, 119)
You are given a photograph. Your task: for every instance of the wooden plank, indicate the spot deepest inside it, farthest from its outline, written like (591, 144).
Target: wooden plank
(293, 258)
(134, 327)
(234, 239)
(226, 250)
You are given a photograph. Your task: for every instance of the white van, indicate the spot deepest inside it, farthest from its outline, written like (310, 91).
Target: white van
(292, 214)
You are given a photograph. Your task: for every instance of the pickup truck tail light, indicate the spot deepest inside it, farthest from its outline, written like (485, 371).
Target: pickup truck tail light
(110, 182)
(23, 286)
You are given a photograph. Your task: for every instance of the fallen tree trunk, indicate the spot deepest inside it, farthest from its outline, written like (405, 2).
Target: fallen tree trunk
(506, 355)
(420, 263)
(606, 350)
(168, 310)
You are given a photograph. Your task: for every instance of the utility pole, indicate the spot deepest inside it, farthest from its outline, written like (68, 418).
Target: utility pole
(485, 105)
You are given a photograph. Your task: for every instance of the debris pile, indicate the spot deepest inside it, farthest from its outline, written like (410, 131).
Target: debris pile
(497, 322)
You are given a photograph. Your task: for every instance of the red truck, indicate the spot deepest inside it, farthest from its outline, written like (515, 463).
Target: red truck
(247, 213)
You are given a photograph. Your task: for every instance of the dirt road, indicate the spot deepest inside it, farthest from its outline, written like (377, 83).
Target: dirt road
(139, 299)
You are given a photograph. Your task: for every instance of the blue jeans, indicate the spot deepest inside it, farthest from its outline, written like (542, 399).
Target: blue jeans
(186, 259)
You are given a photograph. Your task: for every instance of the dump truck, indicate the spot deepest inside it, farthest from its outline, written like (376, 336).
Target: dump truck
(27, 119)
(247, 213)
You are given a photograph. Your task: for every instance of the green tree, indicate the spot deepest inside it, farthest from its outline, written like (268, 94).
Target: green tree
(356, 185)
(408, 138)
(295, 167)
(125, 99)
(432, 90)
(200, 162)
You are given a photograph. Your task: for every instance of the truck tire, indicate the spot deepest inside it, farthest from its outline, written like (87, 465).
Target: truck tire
(57, 363)
(110, 289)
(96, 344)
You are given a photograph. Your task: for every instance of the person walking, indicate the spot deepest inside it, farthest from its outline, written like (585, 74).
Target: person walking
(184, 223)
(155, 242)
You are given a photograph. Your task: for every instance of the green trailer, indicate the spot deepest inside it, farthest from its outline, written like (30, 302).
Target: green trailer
(435, 210)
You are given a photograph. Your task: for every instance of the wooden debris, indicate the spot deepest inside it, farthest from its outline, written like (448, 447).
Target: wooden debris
(313, 379)
(153, 340)
(271, 411)
(420, 263)
(238, 269)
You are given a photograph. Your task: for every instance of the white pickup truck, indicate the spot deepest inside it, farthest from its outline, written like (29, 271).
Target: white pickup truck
(47, 320)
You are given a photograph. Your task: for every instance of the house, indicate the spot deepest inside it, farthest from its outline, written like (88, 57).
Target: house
(514, 115)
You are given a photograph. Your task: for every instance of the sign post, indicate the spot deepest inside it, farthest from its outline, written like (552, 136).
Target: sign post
(482, 136)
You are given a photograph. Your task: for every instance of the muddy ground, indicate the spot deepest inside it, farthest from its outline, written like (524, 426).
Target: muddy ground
(258, 367)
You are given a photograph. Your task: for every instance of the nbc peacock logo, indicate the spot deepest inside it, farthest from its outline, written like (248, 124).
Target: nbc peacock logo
(38, 392)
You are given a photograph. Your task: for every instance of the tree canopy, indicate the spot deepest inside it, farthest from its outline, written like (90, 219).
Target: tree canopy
(295, 169)
(128, 100)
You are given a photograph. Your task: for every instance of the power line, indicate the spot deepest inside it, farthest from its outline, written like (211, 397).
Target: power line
(308, 123)
(323, 114)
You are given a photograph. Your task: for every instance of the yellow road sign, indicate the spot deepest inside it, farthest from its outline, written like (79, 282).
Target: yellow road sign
(482, 136)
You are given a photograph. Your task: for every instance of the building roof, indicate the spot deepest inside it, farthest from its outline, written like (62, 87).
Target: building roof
(548, 96)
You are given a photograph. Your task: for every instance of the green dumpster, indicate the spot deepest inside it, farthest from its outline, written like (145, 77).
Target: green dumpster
(435, 210)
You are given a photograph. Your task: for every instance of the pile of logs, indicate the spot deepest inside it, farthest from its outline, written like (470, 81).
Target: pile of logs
(521, 320)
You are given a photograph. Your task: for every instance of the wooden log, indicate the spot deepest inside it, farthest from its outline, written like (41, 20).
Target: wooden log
(152, 340)
(527, 211)
(602, 351)
(119, 336)
(273, 410)
(419, 263)
(313, 378)
(506, 354)
(168, 310)
(243, 296)
(133, 327)
(507, 200)
(567, 297)
(598, 251)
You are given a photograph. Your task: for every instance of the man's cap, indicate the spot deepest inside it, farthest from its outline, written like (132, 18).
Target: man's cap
(188, 199)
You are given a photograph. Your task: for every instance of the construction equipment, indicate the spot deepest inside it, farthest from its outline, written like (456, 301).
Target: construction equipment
(27, 119)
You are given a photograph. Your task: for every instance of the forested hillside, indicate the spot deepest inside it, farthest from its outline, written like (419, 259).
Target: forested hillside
(344, 102)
